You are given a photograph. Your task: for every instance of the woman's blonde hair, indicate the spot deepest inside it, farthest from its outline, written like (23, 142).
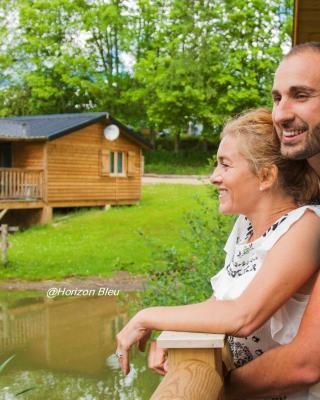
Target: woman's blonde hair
(260, 146)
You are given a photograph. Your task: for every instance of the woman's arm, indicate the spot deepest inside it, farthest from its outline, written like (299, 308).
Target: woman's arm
(300, 359)
(285, 270)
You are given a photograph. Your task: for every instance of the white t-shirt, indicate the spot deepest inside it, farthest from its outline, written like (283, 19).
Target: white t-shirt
(242, 263)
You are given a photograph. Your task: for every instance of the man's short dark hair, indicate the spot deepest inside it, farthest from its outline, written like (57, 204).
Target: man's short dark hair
(313, 46)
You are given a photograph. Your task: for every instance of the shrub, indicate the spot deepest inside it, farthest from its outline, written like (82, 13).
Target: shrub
(181, 279)
(185, 162)
(188, 143)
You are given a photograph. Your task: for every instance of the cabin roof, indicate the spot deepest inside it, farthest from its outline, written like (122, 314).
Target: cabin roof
(53, 126)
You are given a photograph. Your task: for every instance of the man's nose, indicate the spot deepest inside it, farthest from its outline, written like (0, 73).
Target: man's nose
(282, 112)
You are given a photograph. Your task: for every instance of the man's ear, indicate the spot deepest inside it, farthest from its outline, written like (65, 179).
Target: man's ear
(268, 177)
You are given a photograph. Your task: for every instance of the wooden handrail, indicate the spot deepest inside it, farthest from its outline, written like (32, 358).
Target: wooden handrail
(195, 366)
(21, 183)
(22, 169)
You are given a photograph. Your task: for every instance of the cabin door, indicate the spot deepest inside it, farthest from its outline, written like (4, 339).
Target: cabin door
(5, 155)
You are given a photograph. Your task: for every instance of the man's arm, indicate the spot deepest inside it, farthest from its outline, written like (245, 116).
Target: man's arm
(286, 369)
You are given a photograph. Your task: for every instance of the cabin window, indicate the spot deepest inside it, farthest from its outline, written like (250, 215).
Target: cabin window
(117, 163)
(112, 158)
(120, 163)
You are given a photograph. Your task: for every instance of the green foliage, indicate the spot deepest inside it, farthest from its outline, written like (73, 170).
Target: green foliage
(176, 278)
(5, 363)
(65, 56)
(189, 60)
(3, 366)
(213, 61)
(186, 162)
(194, 144)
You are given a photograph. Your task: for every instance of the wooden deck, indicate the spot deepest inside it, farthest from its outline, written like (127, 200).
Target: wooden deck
(21, 185)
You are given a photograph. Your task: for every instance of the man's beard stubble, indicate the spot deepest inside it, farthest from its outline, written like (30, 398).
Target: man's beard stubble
(311, 147)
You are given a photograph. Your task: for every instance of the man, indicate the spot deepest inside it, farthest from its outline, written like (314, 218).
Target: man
(296, 115)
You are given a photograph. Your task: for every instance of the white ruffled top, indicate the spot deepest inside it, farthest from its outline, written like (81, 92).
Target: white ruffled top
(243, 261)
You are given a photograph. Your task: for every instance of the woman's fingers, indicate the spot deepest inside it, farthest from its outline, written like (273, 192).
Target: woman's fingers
(123, 358)
(124, 362)
(143, 341)
(159, 371)
(122, 352)
(132, 333)
(157, 359)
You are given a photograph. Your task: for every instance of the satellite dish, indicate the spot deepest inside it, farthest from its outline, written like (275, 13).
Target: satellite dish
(111, 132)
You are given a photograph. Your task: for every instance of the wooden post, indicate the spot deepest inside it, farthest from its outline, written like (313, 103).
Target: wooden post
(3, 213)
(5, 321)
(45, 215)
(4, 243)
(195, 366)
(5, 229)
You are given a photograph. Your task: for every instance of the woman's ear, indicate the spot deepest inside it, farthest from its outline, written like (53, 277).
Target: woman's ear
(268, 177)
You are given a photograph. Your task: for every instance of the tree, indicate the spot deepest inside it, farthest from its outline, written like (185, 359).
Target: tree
(190, 60)
(67, 55)
(211, 62)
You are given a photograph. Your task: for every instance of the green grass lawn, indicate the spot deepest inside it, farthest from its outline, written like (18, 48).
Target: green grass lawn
(98, 242)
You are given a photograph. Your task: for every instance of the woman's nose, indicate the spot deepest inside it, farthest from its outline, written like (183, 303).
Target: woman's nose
(215, 177)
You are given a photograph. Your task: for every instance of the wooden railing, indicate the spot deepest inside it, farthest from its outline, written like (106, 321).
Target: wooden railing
(21, 184)
(18, 330)
(195, 366)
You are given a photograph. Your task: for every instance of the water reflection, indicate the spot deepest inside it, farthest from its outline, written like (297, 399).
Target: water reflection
(64, 347)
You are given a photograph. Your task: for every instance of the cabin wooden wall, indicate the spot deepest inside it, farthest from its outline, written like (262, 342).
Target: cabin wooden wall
(74, 170)
(306, 21)
(28, 155)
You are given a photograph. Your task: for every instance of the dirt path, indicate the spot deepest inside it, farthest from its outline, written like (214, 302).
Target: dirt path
(120, 281)
(150, 179)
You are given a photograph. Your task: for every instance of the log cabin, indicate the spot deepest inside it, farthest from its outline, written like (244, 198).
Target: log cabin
(66, 160)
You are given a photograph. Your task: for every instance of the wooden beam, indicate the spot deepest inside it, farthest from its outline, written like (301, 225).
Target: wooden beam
(295, 22)
(16, 205)
(91, 203)
(190, 340)
(195, 366)
(306, 25)
(3, 213)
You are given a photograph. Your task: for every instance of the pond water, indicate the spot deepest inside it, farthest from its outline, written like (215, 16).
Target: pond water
(64, 350)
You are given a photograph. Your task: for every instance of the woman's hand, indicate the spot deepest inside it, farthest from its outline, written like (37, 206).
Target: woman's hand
(157, 359)
(132, 333)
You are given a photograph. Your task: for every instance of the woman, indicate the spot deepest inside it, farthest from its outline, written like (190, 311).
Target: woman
(260, 294)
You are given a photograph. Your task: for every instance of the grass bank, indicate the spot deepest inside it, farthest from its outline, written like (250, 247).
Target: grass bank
(99, 242)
